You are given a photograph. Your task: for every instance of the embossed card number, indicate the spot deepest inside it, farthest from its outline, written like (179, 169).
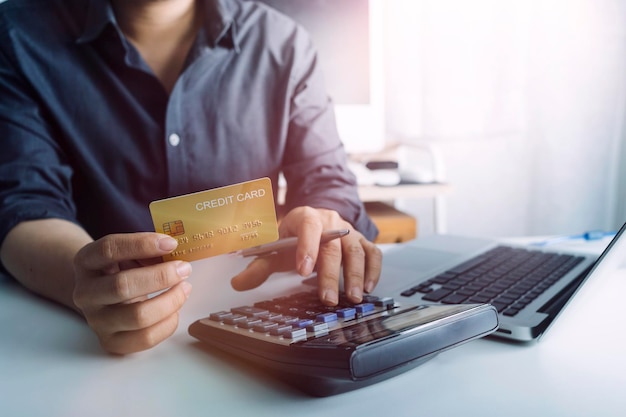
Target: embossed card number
(218, 221)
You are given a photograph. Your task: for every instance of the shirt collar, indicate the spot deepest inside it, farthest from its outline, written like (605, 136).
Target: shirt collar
(219, 26)
(219, 23)
(99, 15)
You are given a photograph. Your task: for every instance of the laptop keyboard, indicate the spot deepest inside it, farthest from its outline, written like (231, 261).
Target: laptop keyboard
(505, 277)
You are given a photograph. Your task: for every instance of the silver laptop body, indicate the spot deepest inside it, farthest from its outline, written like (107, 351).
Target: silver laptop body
(410, 264)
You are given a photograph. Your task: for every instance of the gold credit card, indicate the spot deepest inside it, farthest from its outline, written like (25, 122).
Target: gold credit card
(222, 220)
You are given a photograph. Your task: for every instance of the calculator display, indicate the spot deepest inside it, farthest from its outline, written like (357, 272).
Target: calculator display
(389, 324)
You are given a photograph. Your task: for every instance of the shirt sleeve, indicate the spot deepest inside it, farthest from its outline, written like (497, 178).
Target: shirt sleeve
(316, 163)
(35, 181)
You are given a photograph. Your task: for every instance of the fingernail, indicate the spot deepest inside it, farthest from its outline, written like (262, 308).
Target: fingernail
(369, 287)
(306, 266)
(183, 269)
(356, 294)
(186, 288)
(167, 244)
(330, 297)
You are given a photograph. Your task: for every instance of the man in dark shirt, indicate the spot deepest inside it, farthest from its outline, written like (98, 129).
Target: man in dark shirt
(107, 105)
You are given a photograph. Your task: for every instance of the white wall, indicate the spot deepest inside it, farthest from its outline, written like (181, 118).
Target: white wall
(525, 100)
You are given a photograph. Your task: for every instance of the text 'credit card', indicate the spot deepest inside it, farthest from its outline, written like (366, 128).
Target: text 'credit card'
(218, 221)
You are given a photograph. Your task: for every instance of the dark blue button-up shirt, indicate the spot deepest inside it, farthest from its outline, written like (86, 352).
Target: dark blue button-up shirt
(89, 134)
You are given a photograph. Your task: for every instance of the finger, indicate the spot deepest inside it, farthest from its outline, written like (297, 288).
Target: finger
(328, 272)
(256, 273)
(136, 263)
(306, 223)
(129, 284)
(137, 340)
(354, 258)
(141, 315)
(111, 250)
(307, 251)
(373, 264)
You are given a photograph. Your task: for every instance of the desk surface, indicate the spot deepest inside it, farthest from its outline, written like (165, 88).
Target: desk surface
(51, 365)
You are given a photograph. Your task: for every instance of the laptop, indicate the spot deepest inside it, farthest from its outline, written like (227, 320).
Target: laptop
(528, 285)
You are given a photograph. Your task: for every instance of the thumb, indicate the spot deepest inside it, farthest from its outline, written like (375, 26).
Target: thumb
(255, 274)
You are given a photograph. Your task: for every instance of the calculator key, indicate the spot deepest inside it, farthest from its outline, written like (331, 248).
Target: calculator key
(275, 317)
(309, 314)
(220, 315)
(346, 313)
(367, 298)
(364, 308)
(287, 320)
(235, 319)
(302, 323)
(280, 330)
(317, 327)
(264, 326)
(386, 302)
(249, 311)
(249, 324)
(326, 317)
(266, 305)
(294, 311)
(295, 334)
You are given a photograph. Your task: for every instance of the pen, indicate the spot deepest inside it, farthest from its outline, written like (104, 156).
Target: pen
(289, 242)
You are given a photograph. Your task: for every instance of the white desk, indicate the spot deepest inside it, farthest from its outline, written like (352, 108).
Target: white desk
(51, 365)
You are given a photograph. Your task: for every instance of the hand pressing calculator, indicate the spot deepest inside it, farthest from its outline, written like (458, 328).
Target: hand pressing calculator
(328, 350)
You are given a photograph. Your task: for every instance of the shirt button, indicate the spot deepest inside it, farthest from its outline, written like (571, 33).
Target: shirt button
(174, 139)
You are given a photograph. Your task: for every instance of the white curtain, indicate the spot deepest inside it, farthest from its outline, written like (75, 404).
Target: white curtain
(526, 101)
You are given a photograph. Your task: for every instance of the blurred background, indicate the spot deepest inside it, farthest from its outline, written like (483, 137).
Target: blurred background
(522, 100)
(525, 101)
